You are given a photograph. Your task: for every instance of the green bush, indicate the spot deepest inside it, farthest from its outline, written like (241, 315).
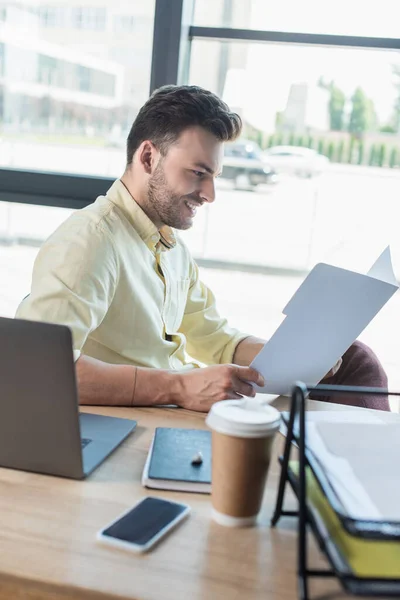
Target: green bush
(372, 156)
(279, 139)
(340, 151)
(331, 150)
(382, 155)
(300, 141)
(360, 153)
(393, 161)
(310, 142)
(351, 151)
(291, 139)
(321, 146)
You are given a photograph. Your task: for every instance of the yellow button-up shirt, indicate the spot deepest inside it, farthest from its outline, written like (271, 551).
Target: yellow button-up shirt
(130, 294)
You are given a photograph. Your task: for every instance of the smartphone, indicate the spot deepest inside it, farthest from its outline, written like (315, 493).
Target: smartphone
(144, 525)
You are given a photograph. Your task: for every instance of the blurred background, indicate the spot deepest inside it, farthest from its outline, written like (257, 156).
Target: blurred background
(315, 176)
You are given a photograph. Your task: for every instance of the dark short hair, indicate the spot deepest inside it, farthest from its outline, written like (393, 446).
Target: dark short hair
(172, 109)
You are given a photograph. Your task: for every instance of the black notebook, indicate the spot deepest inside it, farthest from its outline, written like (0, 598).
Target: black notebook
(169, 462)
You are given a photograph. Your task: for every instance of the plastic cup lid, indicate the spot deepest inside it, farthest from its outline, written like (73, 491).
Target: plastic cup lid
(243, 418)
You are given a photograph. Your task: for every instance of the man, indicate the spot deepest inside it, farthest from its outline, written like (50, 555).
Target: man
(117, 274)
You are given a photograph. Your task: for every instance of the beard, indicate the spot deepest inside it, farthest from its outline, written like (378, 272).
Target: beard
(165, 203)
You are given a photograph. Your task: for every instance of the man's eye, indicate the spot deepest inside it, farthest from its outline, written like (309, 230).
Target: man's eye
(198, 173)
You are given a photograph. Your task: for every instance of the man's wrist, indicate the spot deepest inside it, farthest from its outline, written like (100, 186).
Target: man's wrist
(157, 387)
(176, 388)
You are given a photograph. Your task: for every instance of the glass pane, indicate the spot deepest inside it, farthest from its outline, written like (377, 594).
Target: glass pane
(23, 228)
(326, 121)
(343, 17)
(72, 79)
(322, 125)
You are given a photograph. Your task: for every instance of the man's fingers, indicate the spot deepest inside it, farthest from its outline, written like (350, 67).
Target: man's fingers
(235, 396)
(241, 387)
(249, 374)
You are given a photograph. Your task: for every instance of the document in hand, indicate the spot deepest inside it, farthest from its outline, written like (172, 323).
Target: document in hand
(324, 317)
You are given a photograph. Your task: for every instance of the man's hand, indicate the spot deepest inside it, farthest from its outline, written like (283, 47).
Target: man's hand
(200, 388)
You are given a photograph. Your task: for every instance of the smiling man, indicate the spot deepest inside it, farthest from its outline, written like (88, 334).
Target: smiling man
(118, 275)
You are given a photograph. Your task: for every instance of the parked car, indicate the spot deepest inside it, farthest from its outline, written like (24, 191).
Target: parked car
(245, 165)
(296, 160)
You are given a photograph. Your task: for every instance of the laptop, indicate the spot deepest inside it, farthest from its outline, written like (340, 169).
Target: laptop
(41, 429)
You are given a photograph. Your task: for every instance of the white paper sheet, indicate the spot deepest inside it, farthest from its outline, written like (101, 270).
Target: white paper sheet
(350, 489)
(372, 453)
(324, 317)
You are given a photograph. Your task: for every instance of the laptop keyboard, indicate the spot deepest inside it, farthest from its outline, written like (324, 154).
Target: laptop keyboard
(85, 442)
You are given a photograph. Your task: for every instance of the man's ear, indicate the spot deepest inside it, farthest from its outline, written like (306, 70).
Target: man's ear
(148, 156)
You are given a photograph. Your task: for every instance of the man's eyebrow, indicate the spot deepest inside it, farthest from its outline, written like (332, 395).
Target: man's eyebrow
(205, 167)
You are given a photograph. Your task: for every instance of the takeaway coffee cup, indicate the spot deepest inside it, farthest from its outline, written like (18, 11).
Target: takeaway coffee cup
(243, 432)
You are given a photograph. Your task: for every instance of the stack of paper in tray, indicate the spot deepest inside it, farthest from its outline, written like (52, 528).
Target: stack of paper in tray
(360, 455)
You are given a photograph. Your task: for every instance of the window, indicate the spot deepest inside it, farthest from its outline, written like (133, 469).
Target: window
(47, 70)
(70, 93)
(355, 18)
(336, 156)
(53, 16)
(124, 23)
(314, 176)
(91, 18)
(67, 99)
(22, 230)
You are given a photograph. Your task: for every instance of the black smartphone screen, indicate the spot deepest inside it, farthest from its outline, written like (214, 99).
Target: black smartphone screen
(144, 521)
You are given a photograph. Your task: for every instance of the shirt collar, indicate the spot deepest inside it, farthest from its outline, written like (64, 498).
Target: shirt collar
(158, 240)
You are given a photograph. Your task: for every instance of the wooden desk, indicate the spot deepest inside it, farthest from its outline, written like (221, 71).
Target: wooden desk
(48, 526)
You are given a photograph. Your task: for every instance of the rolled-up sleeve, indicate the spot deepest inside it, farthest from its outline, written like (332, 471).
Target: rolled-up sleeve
(210, 339)
(73, 281)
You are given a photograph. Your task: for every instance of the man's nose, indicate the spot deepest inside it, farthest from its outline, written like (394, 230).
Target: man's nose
(207, 191)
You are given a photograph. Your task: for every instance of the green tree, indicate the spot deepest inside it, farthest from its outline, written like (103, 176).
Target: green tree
(362, 111)
(337, 103)
(331, 150)
(321, 146)
(291, 139)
